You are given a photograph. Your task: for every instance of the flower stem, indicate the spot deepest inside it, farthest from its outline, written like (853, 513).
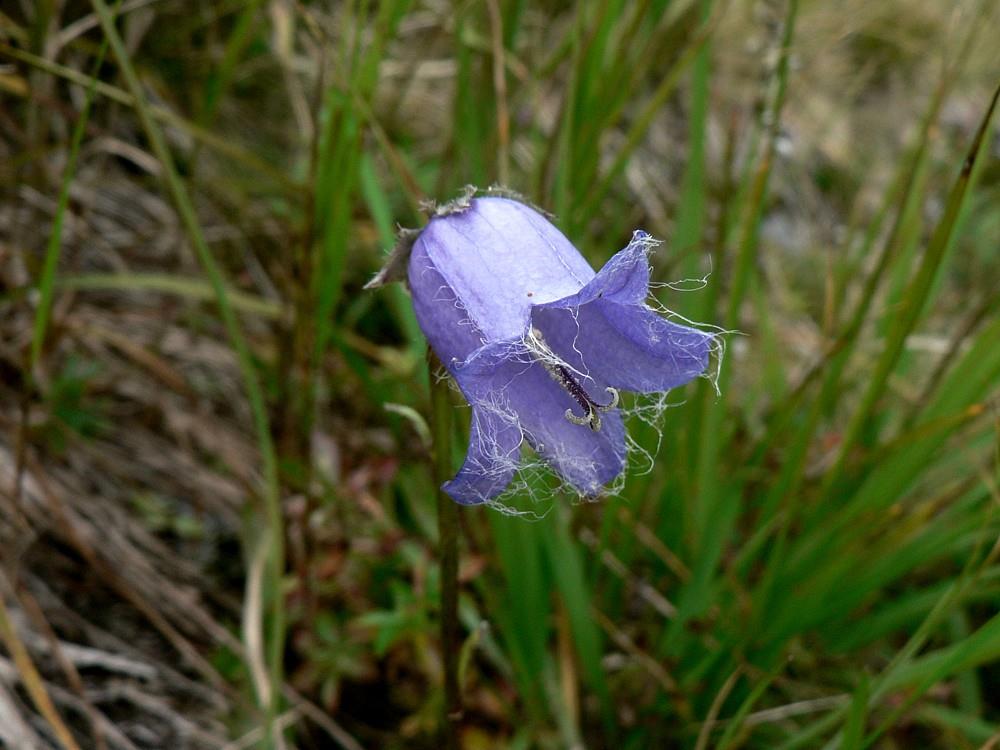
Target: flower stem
(447, 513)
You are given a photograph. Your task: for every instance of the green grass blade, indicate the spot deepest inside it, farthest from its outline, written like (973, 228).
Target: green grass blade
(568, 574)
(857, 715)
(189, 288)
(914, 300)
(689, 228)
(53, 249)
(220, 79)
(712, 496)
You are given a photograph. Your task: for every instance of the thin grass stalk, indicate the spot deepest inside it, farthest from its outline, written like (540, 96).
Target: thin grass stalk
(622, 78)
(704, 399)
(188, 288)
(251, 382)
(980, 314)
(832, 364)
(949, 602)
(971, 378)
(500, 87)
(653, 106)
(447, 514)
(909, 187)
(53, 252)
(691, 208)
(467, 162)
(758, 188)
(53, 249)
(736, 730)
(219, 144)
(224, 74)
(713, 712)
(707, 465)
(881, 686)
(906, 189)
(914, 301)
(30, 606)
(32, 680)
(45, 15)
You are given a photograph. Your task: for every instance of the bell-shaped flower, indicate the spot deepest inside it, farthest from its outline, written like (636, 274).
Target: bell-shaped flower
(538, 343)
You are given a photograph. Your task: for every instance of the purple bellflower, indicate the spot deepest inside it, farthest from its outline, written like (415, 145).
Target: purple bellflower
(538, 343)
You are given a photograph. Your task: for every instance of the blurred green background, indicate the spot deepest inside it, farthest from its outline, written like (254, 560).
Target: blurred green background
(217, 517)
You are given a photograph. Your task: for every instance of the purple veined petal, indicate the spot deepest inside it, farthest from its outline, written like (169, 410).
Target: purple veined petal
(504, 380)
(607, 332)
(441, 315)
(624, 278)
(492, 459)
(626, 346)
(499, 257)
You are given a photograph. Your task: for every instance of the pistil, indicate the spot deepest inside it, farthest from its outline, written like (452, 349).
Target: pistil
(562, 375)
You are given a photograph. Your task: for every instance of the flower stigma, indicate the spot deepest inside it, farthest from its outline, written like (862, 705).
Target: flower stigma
(562, 375)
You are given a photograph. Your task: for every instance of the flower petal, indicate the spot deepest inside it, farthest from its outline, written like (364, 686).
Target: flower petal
(624, 278)
(504, 379)
(499, 257)
(440, 313)
(493, 457)
(626, 346)
(607, 332)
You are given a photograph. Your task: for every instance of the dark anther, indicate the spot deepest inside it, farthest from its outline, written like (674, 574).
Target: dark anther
(561, 374)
